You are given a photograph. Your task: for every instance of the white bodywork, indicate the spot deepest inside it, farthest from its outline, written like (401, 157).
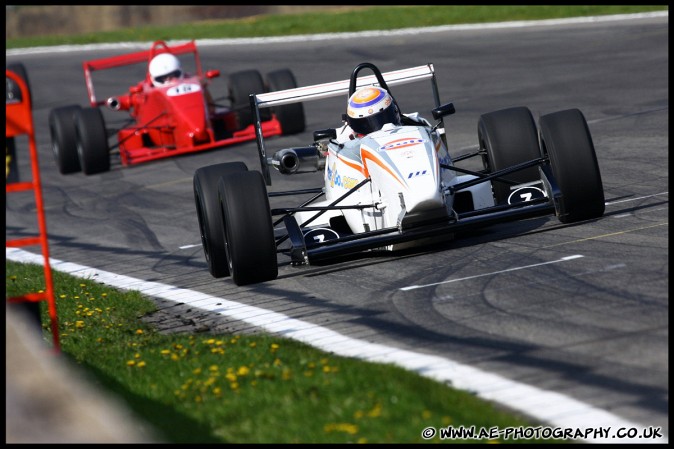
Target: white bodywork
(402, 162)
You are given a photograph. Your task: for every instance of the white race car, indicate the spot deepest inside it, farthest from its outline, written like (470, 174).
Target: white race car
(395, 186)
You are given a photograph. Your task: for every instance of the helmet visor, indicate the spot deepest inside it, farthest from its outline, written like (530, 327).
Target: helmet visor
(165, 78)
(366, 125)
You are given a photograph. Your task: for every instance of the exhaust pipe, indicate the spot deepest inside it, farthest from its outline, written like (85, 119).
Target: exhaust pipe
(119, 103)
(289, 160)
(113, 103)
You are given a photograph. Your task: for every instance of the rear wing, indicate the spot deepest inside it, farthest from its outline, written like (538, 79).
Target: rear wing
(135, 58)
(327, 90)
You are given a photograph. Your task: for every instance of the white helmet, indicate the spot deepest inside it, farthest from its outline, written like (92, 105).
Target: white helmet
(163, 67)
(369, 108)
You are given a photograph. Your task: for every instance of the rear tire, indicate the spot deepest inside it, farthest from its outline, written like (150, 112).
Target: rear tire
(211, 229)
(509, 137)
(64, 138)
(13, 92)
(566, 140)
(291, 116)
(241, 85)
(249, 232)
(92, 141)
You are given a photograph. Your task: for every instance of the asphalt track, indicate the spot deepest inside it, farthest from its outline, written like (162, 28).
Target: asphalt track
(568, 323)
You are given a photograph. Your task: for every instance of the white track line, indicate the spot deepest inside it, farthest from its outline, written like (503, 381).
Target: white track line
(563, 259)
(553, 408)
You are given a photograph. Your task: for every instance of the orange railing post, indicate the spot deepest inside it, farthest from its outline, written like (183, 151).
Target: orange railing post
(19, 121)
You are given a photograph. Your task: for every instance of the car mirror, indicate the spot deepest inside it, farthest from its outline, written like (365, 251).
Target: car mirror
(443, 111)
(329, 133)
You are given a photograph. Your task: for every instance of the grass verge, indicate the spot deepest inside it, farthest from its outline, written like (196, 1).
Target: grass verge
(339, 21)
(207, 388)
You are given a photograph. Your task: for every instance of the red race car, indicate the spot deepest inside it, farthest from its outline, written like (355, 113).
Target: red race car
(171, 112)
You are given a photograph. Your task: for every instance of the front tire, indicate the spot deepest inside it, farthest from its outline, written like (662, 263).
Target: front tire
(290, 116)
(211, 229)
(508, 137)
(249, 232)
(566, 140)
(92, 141)
(64, 138)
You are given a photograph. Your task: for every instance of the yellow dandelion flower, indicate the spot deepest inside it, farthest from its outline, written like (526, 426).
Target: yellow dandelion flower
(99, 340)
(351, 429)
(40, 291)
(361, 440)
(277, 362)
(231, 377)
(13, 278)
(198, 399)
(326, 369)
(219, 342)
(136, 355)
(286, 374)
(196, 371)
(130, 362)
(243, 371)
(210, 341)
(62, 296)
(252, 345)
(141, 364)
(325, 361)
(79, 324)
(76, 297)
(217, 391)
(83, 285)
(234, 385)
(375, 412)
(359, 414)
(139, 331)
(213, 368)
(165, 352)
(104, 295)
(274, 346)
(175, 357)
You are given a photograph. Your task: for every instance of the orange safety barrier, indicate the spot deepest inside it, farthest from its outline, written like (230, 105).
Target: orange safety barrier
(19, 121)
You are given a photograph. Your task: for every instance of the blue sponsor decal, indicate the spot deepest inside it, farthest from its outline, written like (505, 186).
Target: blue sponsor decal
(414, 174)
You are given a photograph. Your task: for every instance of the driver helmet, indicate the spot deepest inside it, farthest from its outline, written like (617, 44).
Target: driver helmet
(163, 68)
(369, 108)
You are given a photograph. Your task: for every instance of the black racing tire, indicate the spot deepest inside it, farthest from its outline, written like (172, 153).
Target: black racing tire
(11, 162)
(249, 232)
(241, 85)
(291, 116)
(566, 140)
(92, 141)
(211, 229)
(13, 92)
(64, 138)
(508, 137)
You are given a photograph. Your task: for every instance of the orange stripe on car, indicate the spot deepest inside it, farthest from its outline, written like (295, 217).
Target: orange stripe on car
(367, 155)
(351, 164)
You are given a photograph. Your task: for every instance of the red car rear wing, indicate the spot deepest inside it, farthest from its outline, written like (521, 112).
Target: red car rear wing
(135, 58)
